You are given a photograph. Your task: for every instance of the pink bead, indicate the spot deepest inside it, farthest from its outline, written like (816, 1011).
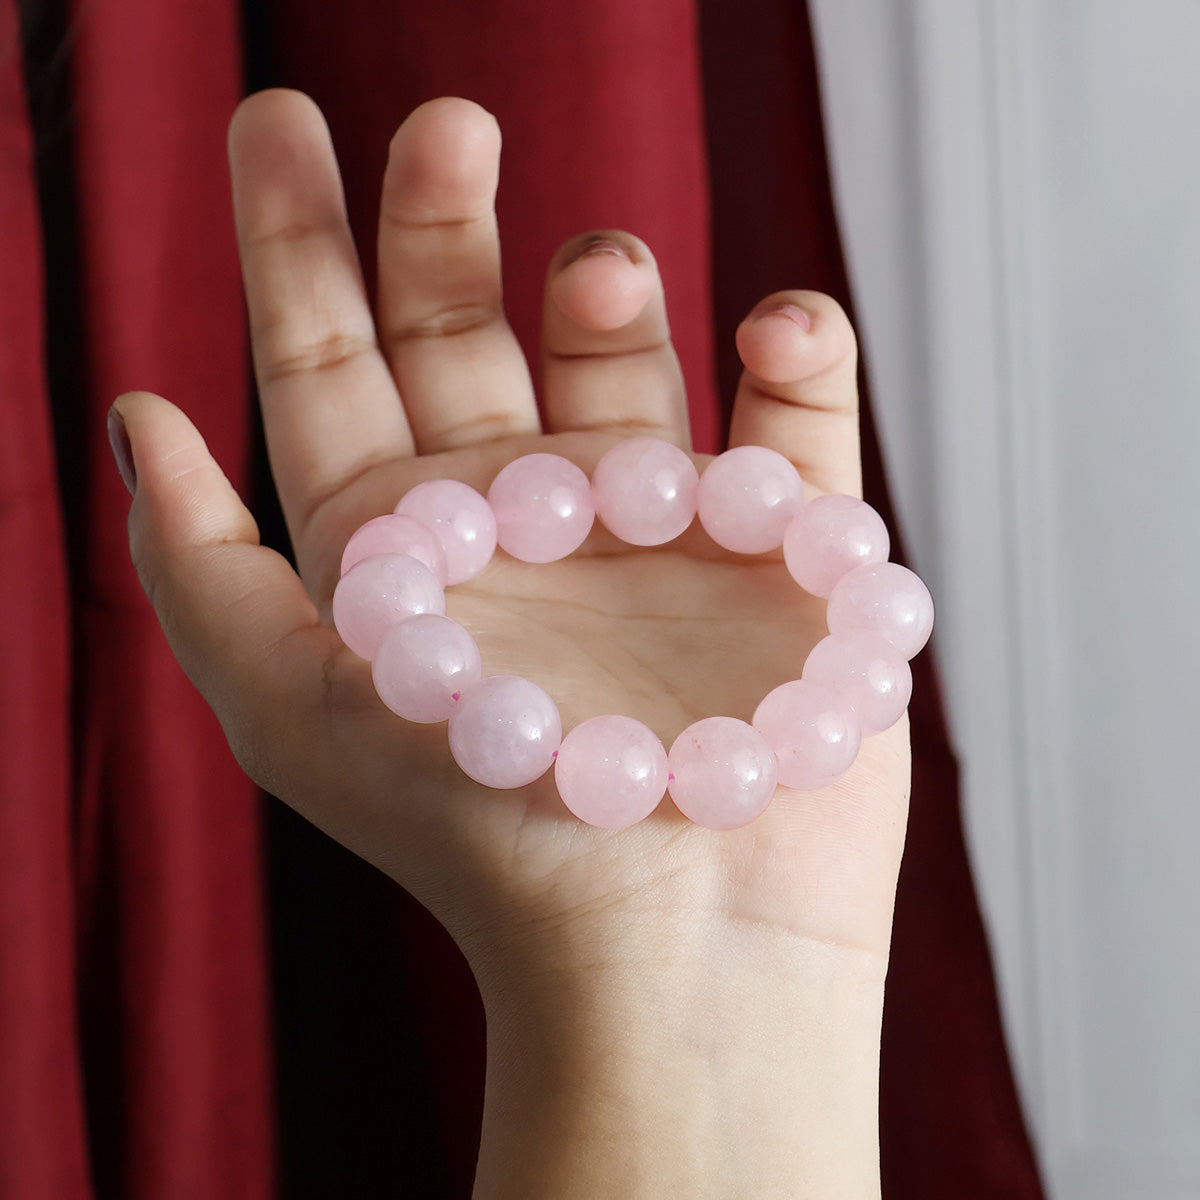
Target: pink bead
(813, 731)
(723, 773)
(644, 490)
(747, 497)
(830, 536)
(504, 732)
(380, 592)
(868, 671)
(460, 518)
(887, 599)
(423, 665)
(543, 507)
(611, 771)
(395, 534)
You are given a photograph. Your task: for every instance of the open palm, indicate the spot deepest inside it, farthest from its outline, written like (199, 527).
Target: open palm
(362, 402)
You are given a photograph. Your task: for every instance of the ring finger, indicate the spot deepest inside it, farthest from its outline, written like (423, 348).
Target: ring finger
(607, 359)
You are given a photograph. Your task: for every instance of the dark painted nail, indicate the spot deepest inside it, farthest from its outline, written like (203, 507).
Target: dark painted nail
(791, 311)
(118, 439)
(596, 246)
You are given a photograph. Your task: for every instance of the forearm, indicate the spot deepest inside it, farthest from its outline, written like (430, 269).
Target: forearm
(738, 1065)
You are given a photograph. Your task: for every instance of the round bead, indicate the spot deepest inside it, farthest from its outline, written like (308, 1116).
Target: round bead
(611, 771)
(644, 490)
(830, 536)
(868, 671)
(423, 665)
(813, 731)
(543, 507)
(887, 599)
(504, 732)
(396, 534)
(460, 518)
(747, 497)
(723, 773)
(380, 592)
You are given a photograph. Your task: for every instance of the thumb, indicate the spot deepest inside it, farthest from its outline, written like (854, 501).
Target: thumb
(235, 614)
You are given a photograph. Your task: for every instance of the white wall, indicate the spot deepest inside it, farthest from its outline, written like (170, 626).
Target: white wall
(1019, 188)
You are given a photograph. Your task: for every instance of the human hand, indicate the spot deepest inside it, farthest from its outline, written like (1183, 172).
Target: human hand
(358, 409)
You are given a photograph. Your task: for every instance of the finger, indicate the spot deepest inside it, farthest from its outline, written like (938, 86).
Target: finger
(297, 707)
(237, 617)
(330, 407)
(607, 358)
(799, 392)
(460, 370)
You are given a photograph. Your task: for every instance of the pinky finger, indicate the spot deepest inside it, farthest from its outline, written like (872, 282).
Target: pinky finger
(799, 391)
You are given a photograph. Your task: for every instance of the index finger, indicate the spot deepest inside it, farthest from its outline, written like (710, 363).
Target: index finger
(330, 406)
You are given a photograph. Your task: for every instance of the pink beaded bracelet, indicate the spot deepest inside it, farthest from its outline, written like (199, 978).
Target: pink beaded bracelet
(612, 771)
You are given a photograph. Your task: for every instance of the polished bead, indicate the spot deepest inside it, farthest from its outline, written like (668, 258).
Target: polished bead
(423, 665)
(644, 490)
(543, 507)
(747, 497)
(504, 731)
(460, 518)
(830, 536)
(887, 599)
(813, 731)
(868, 670)
(611, 771)
(723, 773)
(378, 593)
(396, 534)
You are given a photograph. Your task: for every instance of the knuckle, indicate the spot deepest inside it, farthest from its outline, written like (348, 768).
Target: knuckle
(255, 748)
(153, 577)
(322, 356)
(432, 219)
(481, 427)
(452, 320)
(293, 236)
(649, 351)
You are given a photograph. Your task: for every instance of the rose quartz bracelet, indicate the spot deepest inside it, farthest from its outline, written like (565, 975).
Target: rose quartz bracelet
(612, 771)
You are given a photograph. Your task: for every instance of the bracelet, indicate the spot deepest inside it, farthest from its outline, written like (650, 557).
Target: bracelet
(612, 771)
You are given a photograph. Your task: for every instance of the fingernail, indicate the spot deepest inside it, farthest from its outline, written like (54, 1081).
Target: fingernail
(118, 439)
(597, 246)
(792, 312)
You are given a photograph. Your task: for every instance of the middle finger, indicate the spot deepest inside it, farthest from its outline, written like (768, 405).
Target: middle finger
(459, 368)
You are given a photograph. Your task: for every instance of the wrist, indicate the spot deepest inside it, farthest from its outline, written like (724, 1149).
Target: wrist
(725, 1059)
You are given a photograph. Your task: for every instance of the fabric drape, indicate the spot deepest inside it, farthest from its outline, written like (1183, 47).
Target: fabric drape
(170, 1032)
(198, 1001)
(41, 1102)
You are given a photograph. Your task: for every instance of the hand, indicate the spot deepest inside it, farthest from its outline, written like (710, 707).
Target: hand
(357, 410)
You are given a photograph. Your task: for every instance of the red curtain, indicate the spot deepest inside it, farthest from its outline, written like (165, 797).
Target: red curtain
(41, 1106)
(137, 943)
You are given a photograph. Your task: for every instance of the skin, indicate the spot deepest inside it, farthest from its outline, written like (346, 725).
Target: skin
(670, 1010)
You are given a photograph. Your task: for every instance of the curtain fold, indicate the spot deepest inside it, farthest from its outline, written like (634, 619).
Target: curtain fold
(951, 1120)
(41, 1101)
(135, 1023)
(173, 980)
(157, 834)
